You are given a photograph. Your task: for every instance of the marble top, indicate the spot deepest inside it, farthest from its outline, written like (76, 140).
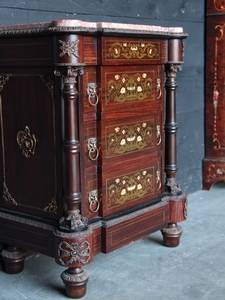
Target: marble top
(90, 27)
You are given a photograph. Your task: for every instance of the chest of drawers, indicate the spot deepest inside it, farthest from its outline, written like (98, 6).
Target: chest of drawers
(214, 160)
(88, 141)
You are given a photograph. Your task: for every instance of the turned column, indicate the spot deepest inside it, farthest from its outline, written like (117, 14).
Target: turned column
(73, 237)
(177, 200)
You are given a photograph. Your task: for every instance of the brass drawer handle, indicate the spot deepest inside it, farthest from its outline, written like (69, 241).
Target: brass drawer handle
(158, 180)
(92, 93)
(93, 151)
(158, 135)
(93, 201)
(159, 90)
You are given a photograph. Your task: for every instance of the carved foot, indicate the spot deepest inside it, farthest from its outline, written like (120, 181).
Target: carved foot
(74, 250)
(171, 235)
(75, 280)
(13, 258)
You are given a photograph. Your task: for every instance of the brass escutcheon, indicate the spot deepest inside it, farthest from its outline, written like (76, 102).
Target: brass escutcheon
(27, 142)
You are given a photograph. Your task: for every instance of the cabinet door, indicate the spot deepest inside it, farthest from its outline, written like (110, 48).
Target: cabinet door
(29, 140)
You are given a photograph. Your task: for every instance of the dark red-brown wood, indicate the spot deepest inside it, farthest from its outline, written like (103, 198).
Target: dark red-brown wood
(88, 142)
(214, 160)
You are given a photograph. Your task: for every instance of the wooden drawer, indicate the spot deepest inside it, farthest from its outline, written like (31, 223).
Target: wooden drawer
(126, 51)
(130, 88)
(129, 183)
(130, 135)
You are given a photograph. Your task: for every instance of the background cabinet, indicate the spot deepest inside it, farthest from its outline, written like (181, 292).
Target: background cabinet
(88, 141)
(214, 161)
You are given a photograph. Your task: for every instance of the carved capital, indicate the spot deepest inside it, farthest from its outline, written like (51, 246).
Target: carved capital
(173, 68)
(69, 74)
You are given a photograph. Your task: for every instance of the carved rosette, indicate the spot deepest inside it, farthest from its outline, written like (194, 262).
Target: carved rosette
(74, 252)
(74, 249)
(69, 48)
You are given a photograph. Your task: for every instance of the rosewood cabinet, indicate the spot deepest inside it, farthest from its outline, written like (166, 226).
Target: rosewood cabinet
(88, 141)
(214, 160)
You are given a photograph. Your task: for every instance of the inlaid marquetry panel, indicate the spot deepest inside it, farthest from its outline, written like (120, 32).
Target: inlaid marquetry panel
(134, 87)
(121, 50)
(129, 135)
(130, 183)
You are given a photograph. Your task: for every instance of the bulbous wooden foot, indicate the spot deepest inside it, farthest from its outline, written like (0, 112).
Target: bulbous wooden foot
(13, 258)
(171, 235)
(75, 281)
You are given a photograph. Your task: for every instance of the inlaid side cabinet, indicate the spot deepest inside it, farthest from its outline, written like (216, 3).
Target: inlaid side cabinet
(214, 160)
(88, 141)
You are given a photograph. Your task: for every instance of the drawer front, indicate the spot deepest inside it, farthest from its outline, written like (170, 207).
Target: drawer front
(130, 88)
(129, 136)
(126, 185)
(122, 50)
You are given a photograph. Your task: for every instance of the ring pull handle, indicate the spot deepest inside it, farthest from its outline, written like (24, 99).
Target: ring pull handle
(158, 135)
(158, 180)
(94, 203)
(92, 93)
(159, 90)
(93, 151)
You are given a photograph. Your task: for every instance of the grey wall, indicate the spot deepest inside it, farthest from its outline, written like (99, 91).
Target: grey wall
(188, 14)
